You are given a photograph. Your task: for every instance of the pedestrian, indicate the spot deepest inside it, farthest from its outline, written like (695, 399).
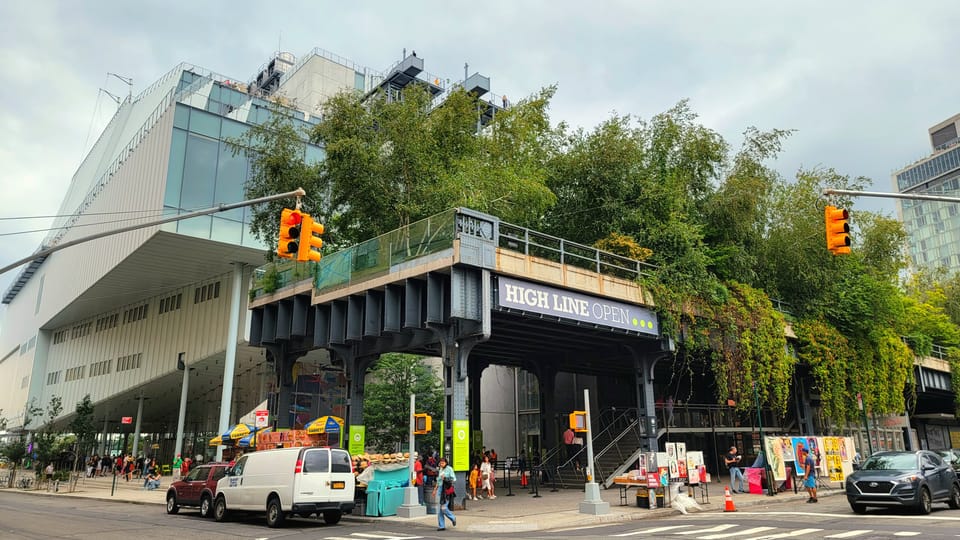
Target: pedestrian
(445, 485)
(49, 472)
(732, 460)
(486, 477)
(669, 409)
(474, 479)
(568, 437)
(177, 465)
(809, 475)
(418, 477)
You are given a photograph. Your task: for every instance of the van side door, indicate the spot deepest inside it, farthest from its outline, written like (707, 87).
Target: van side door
(238, 497)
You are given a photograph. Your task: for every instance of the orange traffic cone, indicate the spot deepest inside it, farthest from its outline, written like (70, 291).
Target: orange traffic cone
(523, 479)
(728, 505)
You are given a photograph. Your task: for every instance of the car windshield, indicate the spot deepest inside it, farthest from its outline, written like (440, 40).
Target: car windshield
(891, 462)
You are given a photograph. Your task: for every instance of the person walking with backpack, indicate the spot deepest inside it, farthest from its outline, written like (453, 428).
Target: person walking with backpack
(445, 480)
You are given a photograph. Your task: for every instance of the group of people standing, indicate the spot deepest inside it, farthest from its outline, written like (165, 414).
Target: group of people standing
(804, 459)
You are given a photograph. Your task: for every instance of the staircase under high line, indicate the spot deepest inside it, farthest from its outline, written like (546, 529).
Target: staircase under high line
(474, 291)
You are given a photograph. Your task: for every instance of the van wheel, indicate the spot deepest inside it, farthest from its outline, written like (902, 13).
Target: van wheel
(206, 505)
(172, 507)
(220, 510)
(332, 517)
(275, 514)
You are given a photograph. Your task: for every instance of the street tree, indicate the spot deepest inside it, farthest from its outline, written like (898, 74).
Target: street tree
(84, 430)
(386, 400)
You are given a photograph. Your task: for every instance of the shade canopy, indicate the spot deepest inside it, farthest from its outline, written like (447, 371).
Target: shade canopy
(238, 432)
(216, 441)
(324, 424)
(251, 439)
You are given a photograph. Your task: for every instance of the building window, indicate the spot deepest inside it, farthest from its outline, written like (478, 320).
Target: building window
(74, 374)
(25, 381)
(101, 368)
(53, 378)
(80, 330)
(135, 314)
(128, 362)
(105, 323)
(207, 292)
(171, 303)
(59, 337)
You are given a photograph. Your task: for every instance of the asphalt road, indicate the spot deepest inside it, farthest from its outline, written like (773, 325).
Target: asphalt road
(30, 517)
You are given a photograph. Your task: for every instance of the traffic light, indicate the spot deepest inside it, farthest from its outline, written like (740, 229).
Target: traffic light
(288, 244)
(838, 230)
(310, 241)
(422, 423)
(578, 420)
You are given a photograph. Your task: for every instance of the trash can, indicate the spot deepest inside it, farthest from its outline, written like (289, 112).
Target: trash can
(430, 499)
(643, 498)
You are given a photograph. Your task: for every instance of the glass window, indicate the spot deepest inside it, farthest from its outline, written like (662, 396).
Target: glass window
(232, 130)
(231, 176)
(227, 230)
(195, 474)
(205, 123)
(198, 226)
(340, 462)
(181, 117)
(238, 468)
(249, 240)
(358, 80)
(316, 461)
(199, 172)
(314, 154)
(218, 473)
(178, 145)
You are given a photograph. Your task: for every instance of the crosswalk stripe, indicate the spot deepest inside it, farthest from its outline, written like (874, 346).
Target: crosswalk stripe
(718, 528)
(906, 533)
(788, 534)
(385, 536)
(654, 530)
(849, 534)
(737, 534)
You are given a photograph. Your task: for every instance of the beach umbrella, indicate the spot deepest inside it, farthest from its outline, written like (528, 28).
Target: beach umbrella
(324, 424)
(251, 440)
(240, 431)
(216, 441)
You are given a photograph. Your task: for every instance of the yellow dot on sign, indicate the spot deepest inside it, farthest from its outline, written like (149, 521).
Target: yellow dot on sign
(635, 321)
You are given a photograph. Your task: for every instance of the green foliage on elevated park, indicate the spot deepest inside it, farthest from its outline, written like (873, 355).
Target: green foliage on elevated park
(725, 230)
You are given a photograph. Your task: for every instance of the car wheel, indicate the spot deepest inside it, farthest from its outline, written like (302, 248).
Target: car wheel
(925, 502)
(205, 506)
(172, 507)
(954, 501)
(859, 508)
(220, 509)
(332, 517)
(275, 514)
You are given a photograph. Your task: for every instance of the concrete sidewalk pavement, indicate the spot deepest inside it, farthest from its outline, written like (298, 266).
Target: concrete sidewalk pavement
(520, 512)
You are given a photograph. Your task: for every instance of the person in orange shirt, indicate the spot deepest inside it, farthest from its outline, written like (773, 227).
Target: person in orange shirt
(474, 477)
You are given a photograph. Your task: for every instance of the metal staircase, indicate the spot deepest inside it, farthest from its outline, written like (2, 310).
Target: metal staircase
(616, 448)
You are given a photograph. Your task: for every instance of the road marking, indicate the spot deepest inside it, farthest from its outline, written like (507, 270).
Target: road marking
(384, 536)
(654, 530)
(788, 534)
(906, 533)
(737, 534)
(718, 528)
(935, 516)
(849, 534)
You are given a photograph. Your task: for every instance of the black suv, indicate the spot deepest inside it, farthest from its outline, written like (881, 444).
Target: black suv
(915, 479)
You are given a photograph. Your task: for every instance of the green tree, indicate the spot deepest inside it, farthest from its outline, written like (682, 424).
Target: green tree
(45, 439)
(386, 400)
(83, 429)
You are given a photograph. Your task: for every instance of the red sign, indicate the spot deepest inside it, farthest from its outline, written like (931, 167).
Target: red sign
(126, 420)
(262, 418)
(653, 481)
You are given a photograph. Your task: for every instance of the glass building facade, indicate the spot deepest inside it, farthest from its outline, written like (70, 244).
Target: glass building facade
(933, 228)
(204, 170)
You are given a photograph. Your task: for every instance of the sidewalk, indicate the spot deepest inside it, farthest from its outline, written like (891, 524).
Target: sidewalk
(521, 512)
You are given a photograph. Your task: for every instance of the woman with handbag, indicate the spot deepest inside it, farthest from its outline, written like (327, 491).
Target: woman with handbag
(486, 477)
(445, 481)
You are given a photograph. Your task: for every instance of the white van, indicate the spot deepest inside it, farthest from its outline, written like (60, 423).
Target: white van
(288, 481)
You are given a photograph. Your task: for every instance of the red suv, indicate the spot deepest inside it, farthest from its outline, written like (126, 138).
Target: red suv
(196, 489)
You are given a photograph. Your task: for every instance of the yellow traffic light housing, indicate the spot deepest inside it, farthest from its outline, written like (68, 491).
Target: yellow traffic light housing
(578, 421)
(838, 230)
(288, 243)
(422, 423)
(310, 241)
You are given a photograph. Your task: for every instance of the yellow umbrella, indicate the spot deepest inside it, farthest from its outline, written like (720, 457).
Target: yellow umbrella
(216, 441)
(325, 424)
(241, 430)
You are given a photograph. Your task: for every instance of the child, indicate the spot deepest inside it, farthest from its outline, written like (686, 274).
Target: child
(474, 476)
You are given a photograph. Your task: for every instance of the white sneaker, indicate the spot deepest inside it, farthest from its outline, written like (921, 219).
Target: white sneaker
(493, 496)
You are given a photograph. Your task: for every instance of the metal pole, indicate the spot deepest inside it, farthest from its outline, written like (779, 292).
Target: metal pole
(866, 425)
(767, 468)
(592, 503)
(411, 506)
(231, 357)
(910, 196)
(181, 418)
(136, 429)
(299, 192)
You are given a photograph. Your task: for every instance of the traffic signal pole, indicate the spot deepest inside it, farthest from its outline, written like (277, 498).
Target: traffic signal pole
(912, 196)
(299, 192)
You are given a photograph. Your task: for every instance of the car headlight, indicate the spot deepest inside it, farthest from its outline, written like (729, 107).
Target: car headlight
(908, 479)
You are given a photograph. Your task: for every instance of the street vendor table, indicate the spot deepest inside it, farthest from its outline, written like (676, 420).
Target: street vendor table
(624, 484)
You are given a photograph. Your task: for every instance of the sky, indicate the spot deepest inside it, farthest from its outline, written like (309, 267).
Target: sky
(860, 82)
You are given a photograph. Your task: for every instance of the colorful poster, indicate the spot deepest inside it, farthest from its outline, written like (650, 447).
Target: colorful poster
(835, 468)
(642, 464)
(694, 461)
(816, 450)
(798, 444)
(357, 440)
(681, 451)
(787, 449)
(774, 454)
(461, 445)
(672, 464)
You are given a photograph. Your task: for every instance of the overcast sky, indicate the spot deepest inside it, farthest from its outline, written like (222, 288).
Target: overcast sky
(861, 82)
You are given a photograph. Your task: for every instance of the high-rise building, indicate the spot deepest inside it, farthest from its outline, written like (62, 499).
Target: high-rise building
(933, 228)
(114, 317)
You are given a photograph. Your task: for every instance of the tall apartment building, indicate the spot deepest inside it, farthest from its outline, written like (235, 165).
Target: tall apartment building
(933, 228)
(113, 317)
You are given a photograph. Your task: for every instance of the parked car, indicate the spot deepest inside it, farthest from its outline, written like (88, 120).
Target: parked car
(198, 488)
(951, 456)
(288, 481)
(915, 479)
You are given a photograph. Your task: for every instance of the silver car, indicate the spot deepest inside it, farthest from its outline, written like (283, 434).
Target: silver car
(913, 479)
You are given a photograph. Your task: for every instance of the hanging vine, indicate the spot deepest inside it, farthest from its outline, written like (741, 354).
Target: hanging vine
(831, 362)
